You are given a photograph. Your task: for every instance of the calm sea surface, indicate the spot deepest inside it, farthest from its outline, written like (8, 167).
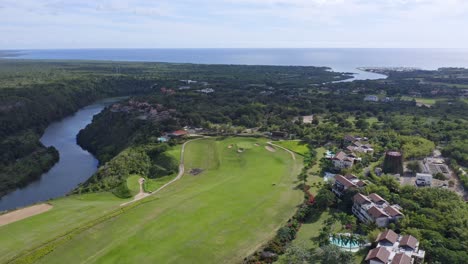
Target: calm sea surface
(343, 60)
(76, 165)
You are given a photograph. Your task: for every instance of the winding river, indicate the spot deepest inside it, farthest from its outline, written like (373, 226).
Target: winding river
(74, 167)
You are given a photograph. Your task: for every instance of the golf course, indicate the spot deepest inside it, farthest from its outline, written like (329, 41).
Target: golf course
(233, 196)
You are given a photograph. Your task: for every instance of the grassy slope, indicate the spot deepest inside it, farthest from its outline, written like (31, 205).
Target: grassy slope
(294, 145)
(68, 213)
(133, 184)
(220, 215)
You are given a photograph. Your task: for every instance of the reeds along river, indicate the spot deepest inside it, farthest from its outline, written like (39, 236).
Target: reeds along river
(74, 167)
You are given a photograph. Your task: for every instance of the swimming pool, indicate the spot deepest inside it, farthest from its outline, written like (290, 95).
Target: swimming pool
(345, 244)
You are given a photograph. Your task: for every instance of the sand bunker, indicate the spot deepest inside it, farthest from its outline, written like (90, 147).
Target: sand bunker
(257, 145)
(270, 148)
(240, 150)
(21, 214)
(230, 146)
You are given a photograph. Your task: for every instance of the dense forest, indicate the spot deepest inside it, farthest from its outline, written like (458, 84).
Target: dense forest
(35, 93)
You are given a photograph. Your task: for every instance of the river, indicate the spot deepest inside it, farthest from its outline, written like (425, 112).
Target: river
(74, 167)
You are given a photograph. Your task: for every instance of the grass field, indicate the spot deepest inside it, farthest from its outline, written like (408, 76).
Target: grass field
(133, 184)
(427, 101)
(221, 215)
(297, 146)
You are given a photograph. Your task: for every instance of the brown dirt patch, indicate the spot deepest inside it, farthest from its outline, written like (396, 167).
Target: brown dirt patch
(195, 171)
(270, 148)
(21, 214)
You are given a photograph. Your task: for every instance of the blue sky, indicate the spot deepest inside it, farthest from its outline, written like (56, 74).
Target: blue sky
(29, 24)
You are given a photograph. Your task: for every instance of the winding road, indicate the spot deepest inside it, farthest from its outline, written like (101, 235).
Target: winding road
(142, 194)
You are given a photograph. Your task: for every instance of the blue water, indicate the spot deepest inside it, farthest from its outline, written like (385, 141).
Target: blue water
(74, 167)
(342, 60)
(344, 244)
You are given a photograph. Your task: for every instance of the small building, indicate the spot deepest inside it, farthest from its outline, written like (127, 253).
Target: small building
(345, 183)
(279, 134)
(178, 133)
(393, 248)
(371, 98)
(375, 209)
(423, 179)
(342, 160)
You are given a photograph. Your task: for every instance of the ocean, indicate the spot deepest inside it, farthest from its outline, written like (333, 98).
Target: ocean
(342, 60)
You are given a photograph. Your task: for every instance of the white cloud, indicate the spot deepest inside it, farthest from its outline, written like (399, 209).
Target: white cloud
(231, 23)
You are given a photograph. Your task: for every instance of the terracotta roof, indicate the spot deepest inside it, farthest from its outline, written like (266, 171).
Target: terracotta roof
(360, 183)
(350, 148)
(380, 254)
(350, 177)
(340, 156)
(401, 258)
(376, 198)
(409, 241)
(361, 199)
(344, 181)
(388, 235)
(376, 212)
(391, 211)
(358, 144)
(179, 133)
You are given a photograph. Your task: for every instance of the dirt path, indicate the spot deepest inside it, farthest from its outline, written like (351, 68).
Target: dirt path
(179, 175)
(20, 214)
(287, 150)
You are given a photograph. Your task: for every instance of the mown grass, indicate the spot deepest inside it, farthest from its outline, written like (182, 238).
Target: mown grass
(297, 146)
(221, 215)
(427, 101)
(133, 184)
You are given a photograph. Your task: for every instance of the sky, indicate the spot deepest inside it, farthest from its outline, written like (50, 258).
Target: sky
(52, 24)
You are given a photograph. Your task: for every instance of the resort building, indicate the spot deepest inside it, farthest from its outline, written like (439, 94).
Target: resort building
(344, 183)
(375, 209)
(395, 249)
(371, 98)
(342, 160)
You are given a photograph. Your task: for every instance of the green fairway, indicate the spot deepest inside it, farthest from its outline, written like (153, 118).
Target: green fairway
(219, 215)
(297, 146)
(133, 184)
(67, 213)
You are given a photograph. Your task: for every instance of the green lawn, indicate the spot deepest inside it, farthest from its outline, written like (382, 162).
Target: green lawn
(133, 184)
(428, 101)
(67, 213)
(220, 215)
(152, 185)
(320, 154)
(297, 146)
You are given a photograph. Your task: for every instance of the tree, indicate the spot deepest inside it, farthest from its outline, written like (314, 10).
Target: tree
(414, 167)
(325, 198)
(296, 254)
(333, 254)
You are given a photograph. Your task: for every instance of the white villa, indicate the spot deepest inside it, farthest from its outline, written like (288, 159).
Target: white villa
(374, 209)
(395, 249)
(344, 183)
(342, 160)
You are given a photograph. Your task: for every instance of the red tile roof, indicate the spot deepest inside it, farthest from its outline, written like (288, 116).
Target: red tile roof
(388, 235)
(340, 156)
(361, 199)
(409, 241)
(376, 198)
(376, 212)
(401, 258)
(381, 254)
(344, 181)
(391, 211)
(179, 133)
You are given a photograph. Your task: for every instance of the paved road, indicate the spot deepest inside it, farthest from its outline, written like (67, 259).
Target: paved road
(287, 150)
